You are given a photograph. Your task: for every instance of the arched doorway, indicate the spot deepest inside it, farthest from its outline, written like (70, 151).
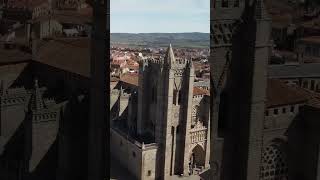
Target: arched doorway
(197, 160)
(274, 162)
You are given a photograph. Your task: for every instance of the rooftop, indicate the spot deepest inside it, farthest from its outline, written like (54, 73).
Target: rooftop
(69, 16)
(198, 91)
(311, 39)
(70, 54)
(294, 71)
(278, 93)
(26, 3)
(9, 56)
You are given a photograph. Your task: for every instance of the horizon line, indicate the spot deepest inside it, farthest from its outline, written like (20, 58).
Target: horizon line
(155, 32)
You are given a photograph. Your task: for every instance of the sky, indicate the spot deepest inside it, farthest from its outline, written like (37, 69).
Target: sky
(162, 16)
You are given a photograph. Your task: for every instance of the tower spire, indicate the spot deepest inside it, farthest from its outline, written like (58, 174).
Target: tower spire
(36, 102)
(169, 58)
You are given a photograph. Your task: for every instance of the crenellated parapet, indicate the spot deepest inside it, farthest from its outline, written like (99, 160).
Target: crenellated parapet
(14, 96)
(45, 116)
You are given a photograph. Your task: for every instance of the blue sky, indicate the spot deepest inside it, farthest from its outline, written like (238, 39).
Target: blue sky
(149, 16)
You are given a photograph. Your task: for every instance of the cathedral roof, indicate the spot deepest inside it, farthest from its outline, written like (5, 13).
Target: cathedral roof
(132, 79)
(78, 17)
(69, 54)
(26, 3)
(199, 91)
(294, 71)
(279, 94)
(9, 56)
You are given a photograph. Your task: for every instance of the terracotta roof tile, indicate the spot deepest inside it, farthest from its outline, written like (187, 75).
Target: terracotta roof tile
(130, 79)
(70, 54)
(198, 91)
(278, 94)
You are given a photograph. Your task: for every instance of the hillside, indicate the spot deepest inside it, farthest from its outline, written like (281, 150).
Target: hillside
(193, 40)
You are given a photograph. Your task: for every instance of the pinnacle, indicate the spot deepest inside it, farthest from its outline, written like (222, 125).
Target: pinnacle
(36, 101)
(170, 55)
(260, 10)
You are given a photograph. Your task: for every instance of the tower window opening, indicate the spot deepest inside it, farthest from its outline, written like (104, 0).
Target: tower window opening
(179, 97)
(284, 110)
(175, 94)
(236, 3)
(154, 94)
(225, 3)
(292, 109)
(312, 85)
(178, 129)
(223, 113)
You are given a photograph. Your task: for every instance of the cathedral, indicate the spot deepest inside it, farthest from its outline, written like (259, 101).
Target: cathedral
(160, 127)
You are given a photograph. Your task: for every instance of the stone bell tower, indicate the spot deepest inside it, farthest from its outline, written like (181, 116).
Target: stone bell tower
(97, 132)
(240, 53)
(164, 110)
(225, 17)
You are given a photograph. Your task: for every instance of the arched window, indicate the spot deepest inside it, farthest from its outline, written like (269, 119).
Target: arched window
(179, 97)
(236, 3)
(154, 94)
(225, 3)
(274, 162)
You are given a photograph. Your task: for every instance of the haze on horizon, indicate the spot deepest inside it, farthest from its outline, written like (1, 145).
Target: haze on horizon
(159, 16)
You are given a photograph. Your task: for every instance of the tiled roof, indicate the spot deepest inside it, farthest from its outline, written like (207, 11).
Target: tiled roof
(311, 39)
(132, 79)
(77, 17)
(294, 71)
(8, 56)
(278, 94)
(70, 54)
(26, 3)
(198, 91)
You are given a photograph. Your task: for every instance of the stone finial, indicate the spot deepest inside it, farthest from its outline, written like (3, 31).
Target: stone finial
(36, 83)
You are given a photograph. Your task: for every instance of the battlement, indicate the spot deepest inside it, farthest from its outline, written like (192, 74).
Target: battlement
(13, 96)
(15, 91)
(125, 95)
(44, 116)
(50, 101)
(9, 101)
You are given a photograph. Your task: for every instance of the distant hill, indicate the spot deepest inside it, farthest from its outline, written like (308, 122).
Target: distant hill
(187, 40)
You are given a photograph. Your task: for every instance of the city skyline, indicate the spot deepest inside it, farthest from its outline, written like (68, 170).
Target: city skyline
(159, 16)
